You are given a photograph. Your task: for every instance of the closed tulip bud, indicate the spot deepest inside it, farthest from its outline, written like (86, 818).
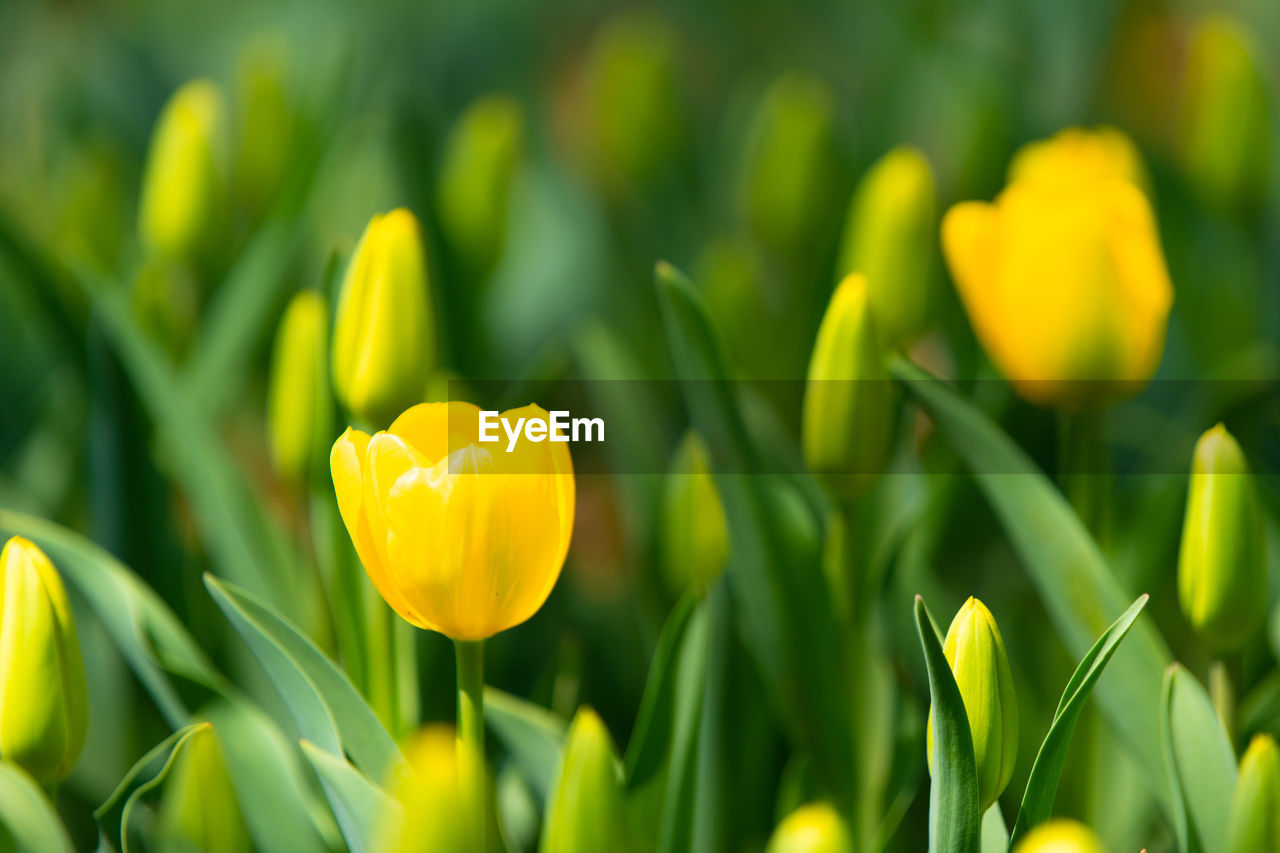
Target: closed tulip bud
(199, 809)
(1225, 115)
(1063, 277)
(475, 180)
(695, 532)
(183, 185)
(1060, 836)
(43, 695)
(975, 650)
(383, 334)
(1222, 570)
(584, 811)
(848, 399)
(888, 237)
(1078, 155)
(814, 828)
(459, 536)
(299, 409)
(789, 163)
(430, 809)
(1254, 823)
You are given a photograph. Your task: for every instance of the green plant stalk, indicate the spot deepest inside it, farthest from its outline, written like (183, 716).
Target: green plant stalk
(1083, 473)
(471, 772)
(340, 574)
(380, 665)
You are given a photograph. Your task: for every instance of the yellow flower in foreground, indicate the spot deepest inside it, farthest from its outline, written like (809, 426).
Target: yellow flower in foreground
(459, 536)
(815, 828)
(1254, 825)
(1060, 836)
(1078, 156)
(1063, 276)
(429, 813)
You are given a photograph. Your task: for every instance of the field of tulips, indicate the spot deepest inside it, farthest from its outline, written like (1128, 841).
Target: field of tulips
(579, 428)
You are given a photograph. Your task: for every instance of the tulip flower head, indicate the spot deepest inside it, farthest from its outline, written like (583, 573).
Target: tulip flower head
(695, 532)
(299, 409)
(1254, 824)
(1063, 277)
(1060, 836)
(813, 828)
(199, 809)
(459, 537)
(43, 695)
(428, 812)
(584, 811)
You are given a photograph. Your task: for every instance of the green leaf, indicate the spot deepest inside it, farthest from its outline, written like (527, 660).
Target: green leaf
(1199, 761)
(28, 821)
(1068, 570)
(532, 735)
(359, 804)
(955, 822)
(995, 833)
(676, 828)
(1042, 786)
(114, 817)
(324, 705)
(652, 732)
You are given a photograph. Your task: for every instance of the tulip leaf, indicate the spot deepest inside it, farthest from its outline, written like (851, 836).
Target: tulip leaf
(1063, 562)
(325, 707)
(652, 731)
(782, 605)
(532, 735)
(676, 827)
(115, 815)
(995, 832)
(1042, 786)
(1200, 762)
(359, 805)
(28, 821)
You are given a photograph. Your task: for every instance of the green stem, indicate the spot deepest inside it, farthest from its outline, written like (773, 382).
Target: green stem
(471, 770)
(380, 666)
(1083, 472)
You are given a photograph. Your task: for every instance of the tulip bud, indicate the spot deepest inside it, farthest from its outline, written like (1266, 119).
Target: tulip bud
(383, 336)
(815, 828)
(695, 532)
(789, 163)
(431, 814)
(1222, 580)
(888, 237)
(584, 811)
(299, 409)
(199, 809)
(848, 399)
(1225, 121)
(475, 180)
(1254, 824)
(43, 695)
(1060, 836)
(183, 191)
(975, 650)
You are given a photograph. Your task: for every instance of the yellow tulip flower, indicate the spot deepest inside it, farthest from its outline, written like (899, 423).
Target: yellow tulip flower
(812, 828)
(1062, 276)
(459, 537)
(1060, 836)
(429, 812)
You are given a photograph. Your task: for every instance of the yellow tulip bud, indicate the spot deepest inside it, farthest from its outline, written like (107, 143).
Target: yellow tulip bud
(1060, 836)
(428, 795)
(1254, 824)
(1225, 114)
(199, 809)
(183, 187)
(383, 335)
(299, 409)
(43, 695)
(789, 162)
(695, 533)
(1076, 155)
(975, 650)
(1222, 570)
(1063, 277)
(814, 828)
(459, 536)
(584, 811)
(888, 237)
(848, 399)
(475, 179)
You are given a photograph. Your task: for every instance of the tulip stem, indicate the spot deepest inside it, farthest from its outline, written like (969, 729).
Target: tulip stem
(471, 769)
(1083, 471)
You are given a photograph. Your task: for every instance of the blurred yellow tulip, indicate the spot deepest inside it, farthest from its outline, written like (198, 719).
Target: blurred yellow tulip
(695, 533)
(1063, 276)
(299, 408)
(1078, 155)
(429, 813)
(584, 811)
(199, 809)
(43, 695)
(1060, 836)
(814, 828)
(1254, 825)
(459, 537)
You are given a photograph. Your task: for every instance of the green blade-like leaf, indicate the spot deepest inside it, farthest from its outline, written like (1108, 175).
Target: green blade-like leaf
(1200, 762)
(955, 821)
(995, 832)
(1042, 786)
(1064, 563)
(652, 732)
(114, 817)
(676, 827)
(325, 707)
(28, 821)
(358, 803)
(532, 735)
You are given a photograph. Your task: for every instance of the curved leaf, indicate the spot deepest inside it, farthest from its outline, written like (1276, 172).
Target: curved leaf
(676, 829)
(652, 732)
(1200, 762)
(533, 735)
(28, 821)
(114, 816)
(359, 804)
